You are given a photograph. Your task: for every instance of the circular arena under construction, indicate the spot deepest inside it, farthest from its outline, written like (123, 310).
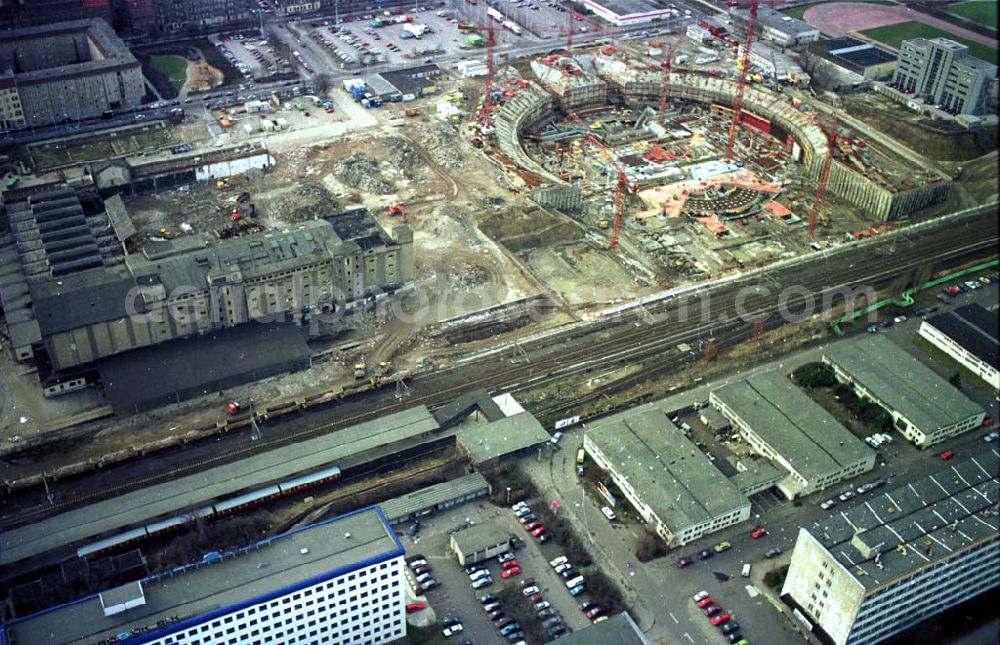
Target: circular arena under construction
(602, 133)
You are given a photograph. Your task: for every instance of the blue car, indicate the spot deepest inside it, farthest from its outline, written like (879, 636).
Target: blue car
(576, 591)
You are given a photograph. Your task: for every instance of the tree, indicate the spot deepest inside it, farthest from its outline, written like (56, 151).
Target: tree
(815, 375)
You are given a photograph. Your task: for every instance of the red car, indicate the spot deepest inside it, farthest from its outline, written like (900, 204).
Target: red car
(704, 602)
(720, 619)
(947, 454)
(415, 606)
(510, 573)
(538, 531)
(510, 564)
(758, 532)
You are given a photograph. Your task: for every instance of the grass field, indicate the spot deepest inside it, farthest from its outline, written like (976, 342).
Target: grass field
(798, 12)
(173, 67)
(893, 35)
(982, 12)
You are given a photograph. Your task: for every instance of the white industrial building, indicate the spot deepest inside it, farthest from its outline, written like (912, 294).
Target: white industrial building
(666, 478)
(925, 408)
(871, 571)
(969, 335)
(780, 422)
(340, 581)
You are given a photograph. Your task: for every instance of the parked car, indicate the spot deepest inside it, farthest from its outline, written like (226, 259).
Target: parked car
(758, 532)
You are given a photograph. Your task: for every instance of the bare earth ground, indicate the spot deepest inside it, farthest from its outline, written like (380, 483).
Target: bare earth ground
(843, 18)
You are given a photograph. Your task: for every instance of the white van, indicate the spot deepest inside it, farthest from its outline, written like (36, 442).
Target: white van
(574, 582)
(476, 575)
(746, 571)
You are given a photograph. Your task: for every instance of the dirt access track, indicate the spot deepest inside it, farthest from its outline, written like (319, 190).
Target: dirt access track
(844, 18)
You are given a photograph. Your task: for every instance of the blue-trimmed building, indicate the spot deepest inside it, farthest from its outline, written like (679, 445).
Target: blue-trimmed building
(339, 581)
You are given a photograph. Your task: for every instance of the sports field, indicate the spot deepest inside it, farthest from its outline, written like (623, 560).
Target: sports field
(173, 67)
(893, 35)
(983, 12)
(798, 12)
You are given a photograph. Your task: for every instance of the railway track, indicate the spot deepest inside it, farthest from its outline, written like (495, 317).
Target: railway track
(584, 347)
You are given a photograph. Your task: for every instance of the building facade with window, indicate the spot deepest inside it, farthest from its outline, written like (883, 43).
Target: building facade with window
(878, 568)
(942, 72)
(925, 408)
(339, 581)
(672, 485)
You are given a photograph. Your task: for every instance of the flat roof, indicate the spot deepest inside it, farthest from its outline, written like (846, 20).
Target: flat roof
(793, 425)
(480, 536)
(418, 500)
(974, 328)
(918, 524)
(902, 382)
(184, 368)
(201, 591)
(619, 629)
(141, 506)
(486, 441)
(673, 477)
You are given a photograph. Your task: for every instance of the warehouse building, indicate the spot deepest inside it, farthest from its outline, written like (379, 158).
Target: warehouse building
(865, 573)
(969, 334)
(925, 408)
(66, 71)
(780, 422)
(479, 543)
(432, 499)
(89, 304)
(942, 72)
(672, 485)
(777, 27)
(865, 59)
(339, 581)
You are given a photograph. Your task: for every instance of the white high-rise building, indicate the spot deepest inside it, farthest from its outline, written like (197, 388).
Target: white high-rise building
(878, 568)
(340, 581)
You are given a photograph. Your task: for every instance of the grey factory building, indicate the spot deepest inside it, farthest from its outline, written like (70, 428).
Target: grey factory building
(943, 72)
(865, 573)
(781, 423)
(90, 303)
(671, 484)
(925, 408)
(67, 70)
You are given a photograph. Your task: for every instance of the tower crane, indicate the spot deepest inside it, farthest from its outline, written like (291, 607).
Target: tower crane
(824, 173)
(622, 184)
(665, 93)
(744, 63)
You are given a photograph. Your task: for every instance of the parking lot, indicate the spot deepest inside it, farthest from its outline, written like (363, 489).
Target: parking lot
(455, 595)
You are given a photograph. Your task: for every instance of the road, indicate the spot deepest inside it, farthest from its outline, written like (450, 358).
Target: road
(648, 336)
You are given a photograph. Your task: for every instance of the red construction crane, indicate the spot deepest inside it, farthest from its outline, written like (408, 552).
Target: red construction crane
(742, 81)
(824, 174)
(665, 94)
(622, 185)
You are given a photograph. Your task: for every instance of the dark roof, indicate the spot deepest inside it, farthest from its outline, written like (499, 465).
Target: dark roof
(181, 369)
(412, 79)
(81, 299)
(974, 328)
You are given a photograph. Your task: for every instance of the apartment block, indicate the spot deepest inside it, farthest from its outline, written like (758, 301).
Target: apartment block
(337, 582)
(943, 72)
(868, 572)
